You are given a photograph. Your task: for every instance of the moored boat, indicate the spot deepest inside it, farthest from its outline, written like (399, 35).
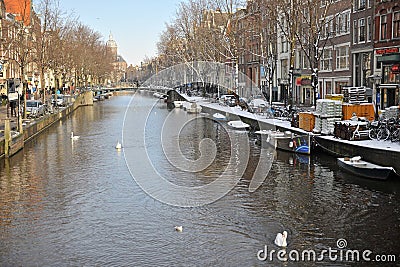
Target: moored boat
(157, 95)
(193, 108)
(239, 125)
(287, 141)
(178, 104)
(364, 168)
(219, 117)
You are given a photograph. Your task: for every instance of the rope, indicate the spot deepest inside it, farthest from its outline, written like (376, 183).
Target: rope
(327, 149)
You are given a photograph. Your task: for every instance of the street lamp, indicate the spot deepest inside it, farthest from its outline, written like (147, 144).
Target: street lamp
(376, 79)
(36, 82)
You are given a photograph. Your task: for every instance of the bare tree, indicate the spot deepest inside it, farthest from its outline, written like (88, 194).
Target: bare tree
(21, 43)
(308, 26)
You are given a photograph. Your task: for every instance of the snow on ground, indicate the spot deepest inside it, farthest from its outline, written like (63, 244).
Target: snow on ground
(382, 145)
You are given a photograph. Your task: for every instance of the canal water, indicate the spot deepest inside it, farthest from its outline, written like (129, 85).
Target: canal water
(81, 203)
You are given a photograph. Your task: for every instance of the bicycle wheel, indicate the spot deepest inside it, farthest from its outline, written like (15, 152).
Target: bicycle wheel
(395, 136)
(372, 134)
(383, 134)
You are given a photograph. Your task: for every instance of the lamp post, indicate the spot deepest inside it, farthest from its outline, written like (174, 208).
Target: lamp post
(36, 82)
(376, 79)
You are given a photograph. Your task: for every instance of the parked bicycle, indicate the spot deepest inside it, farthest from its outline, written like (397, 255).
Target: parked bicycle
(378, 130)
(387, 129)
(394, 128)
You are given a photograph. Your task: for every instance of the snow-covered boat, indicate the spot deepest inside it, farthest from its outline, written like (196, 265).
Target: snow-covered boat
(219, 117)
(365, 169)
(178, 104)
(239, 125)
(193, 108)
(287, 141)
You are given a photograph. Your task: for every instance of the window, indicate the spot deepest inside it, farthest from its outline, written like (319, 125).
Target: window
(361, 30)
(328, 87)
(383, 28)
(326, 59)
(343, 23)
(396, 24)
(303, 60)
(327, 29)
(284, 44)
(369, 29)
(284, 68)
(342, 57)
(361, 4)
(355, 35)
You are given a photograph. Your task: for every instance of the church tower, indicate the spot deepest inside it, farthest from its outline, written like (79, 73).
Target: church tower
(112, 47)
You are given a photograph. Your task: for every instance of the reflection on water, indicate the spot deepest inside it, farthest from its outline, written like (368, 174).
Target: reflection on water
(74, 203)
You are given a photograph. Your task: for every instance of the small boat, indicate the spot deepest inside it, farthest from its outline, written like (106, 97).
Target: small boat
(365, 169)
(287, 141)
(178, 104)
(193, 108)
(239, 125)
(219, 117)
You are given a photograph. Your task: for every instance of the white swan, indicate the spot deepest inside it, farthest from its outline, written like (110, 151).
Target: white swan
(179, 228)
(74, 137)
(118, 146)
(280, 239)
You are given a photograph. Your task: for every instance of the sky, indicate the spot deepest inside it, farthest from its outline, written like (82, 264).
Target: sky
(136, 25)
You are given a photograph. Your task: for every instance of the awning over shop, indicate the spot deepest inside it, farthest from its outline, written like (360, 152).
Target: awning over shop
(392, 58)
(389, 86)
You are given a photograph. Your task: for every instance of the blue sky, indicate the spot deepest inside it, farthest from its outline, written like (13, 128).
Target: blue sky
(136, 25)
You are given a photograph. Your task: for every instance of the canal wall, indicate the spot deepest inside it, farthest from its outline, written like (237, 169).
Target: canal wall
(378, 152)
(383, 153)
(39, 125)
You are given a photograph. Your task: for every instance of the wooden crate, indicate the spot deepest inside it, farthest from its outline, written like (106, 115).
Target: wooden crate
(350, 130)
(361, 110)
(306, 121)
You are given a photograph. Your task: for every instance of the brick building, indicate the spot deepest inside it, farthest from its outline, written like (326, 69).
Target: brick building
(387, 51)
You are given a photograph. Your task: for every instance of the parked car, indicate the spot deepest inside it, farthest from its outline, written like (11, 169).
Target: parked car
(34, 108)
(229, 100)
(60, 100)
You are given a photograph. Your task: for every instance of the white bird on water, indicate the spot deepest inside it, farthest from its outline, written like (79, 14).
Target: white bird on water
(179, 228)
(74, 137)
(118, 146)
(280, 239)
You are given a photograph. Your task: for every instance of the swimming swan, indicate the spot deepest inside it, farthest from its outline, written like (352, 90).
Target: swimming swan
(118, 146)
(74, 137)
(280, 239)
(179, 228)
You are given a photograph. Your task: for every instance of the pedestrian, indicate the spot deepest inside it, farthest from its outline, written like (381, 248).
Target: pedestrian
(3, 99)
(13, 106)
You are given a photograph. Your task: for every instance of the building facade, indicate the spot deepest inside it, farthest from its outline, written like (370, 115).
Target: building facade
(359, 47)
(387, 52)
(119, 64)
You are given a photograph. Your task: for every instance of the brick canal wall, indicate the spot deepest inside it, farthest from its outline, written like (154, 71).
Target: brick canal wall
(37, 127)
(338, 148)
(335, 147)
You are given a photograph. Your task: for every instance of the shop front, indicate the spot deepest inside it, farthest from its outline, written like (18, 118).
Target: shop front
(304, 91)
(388, 90)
